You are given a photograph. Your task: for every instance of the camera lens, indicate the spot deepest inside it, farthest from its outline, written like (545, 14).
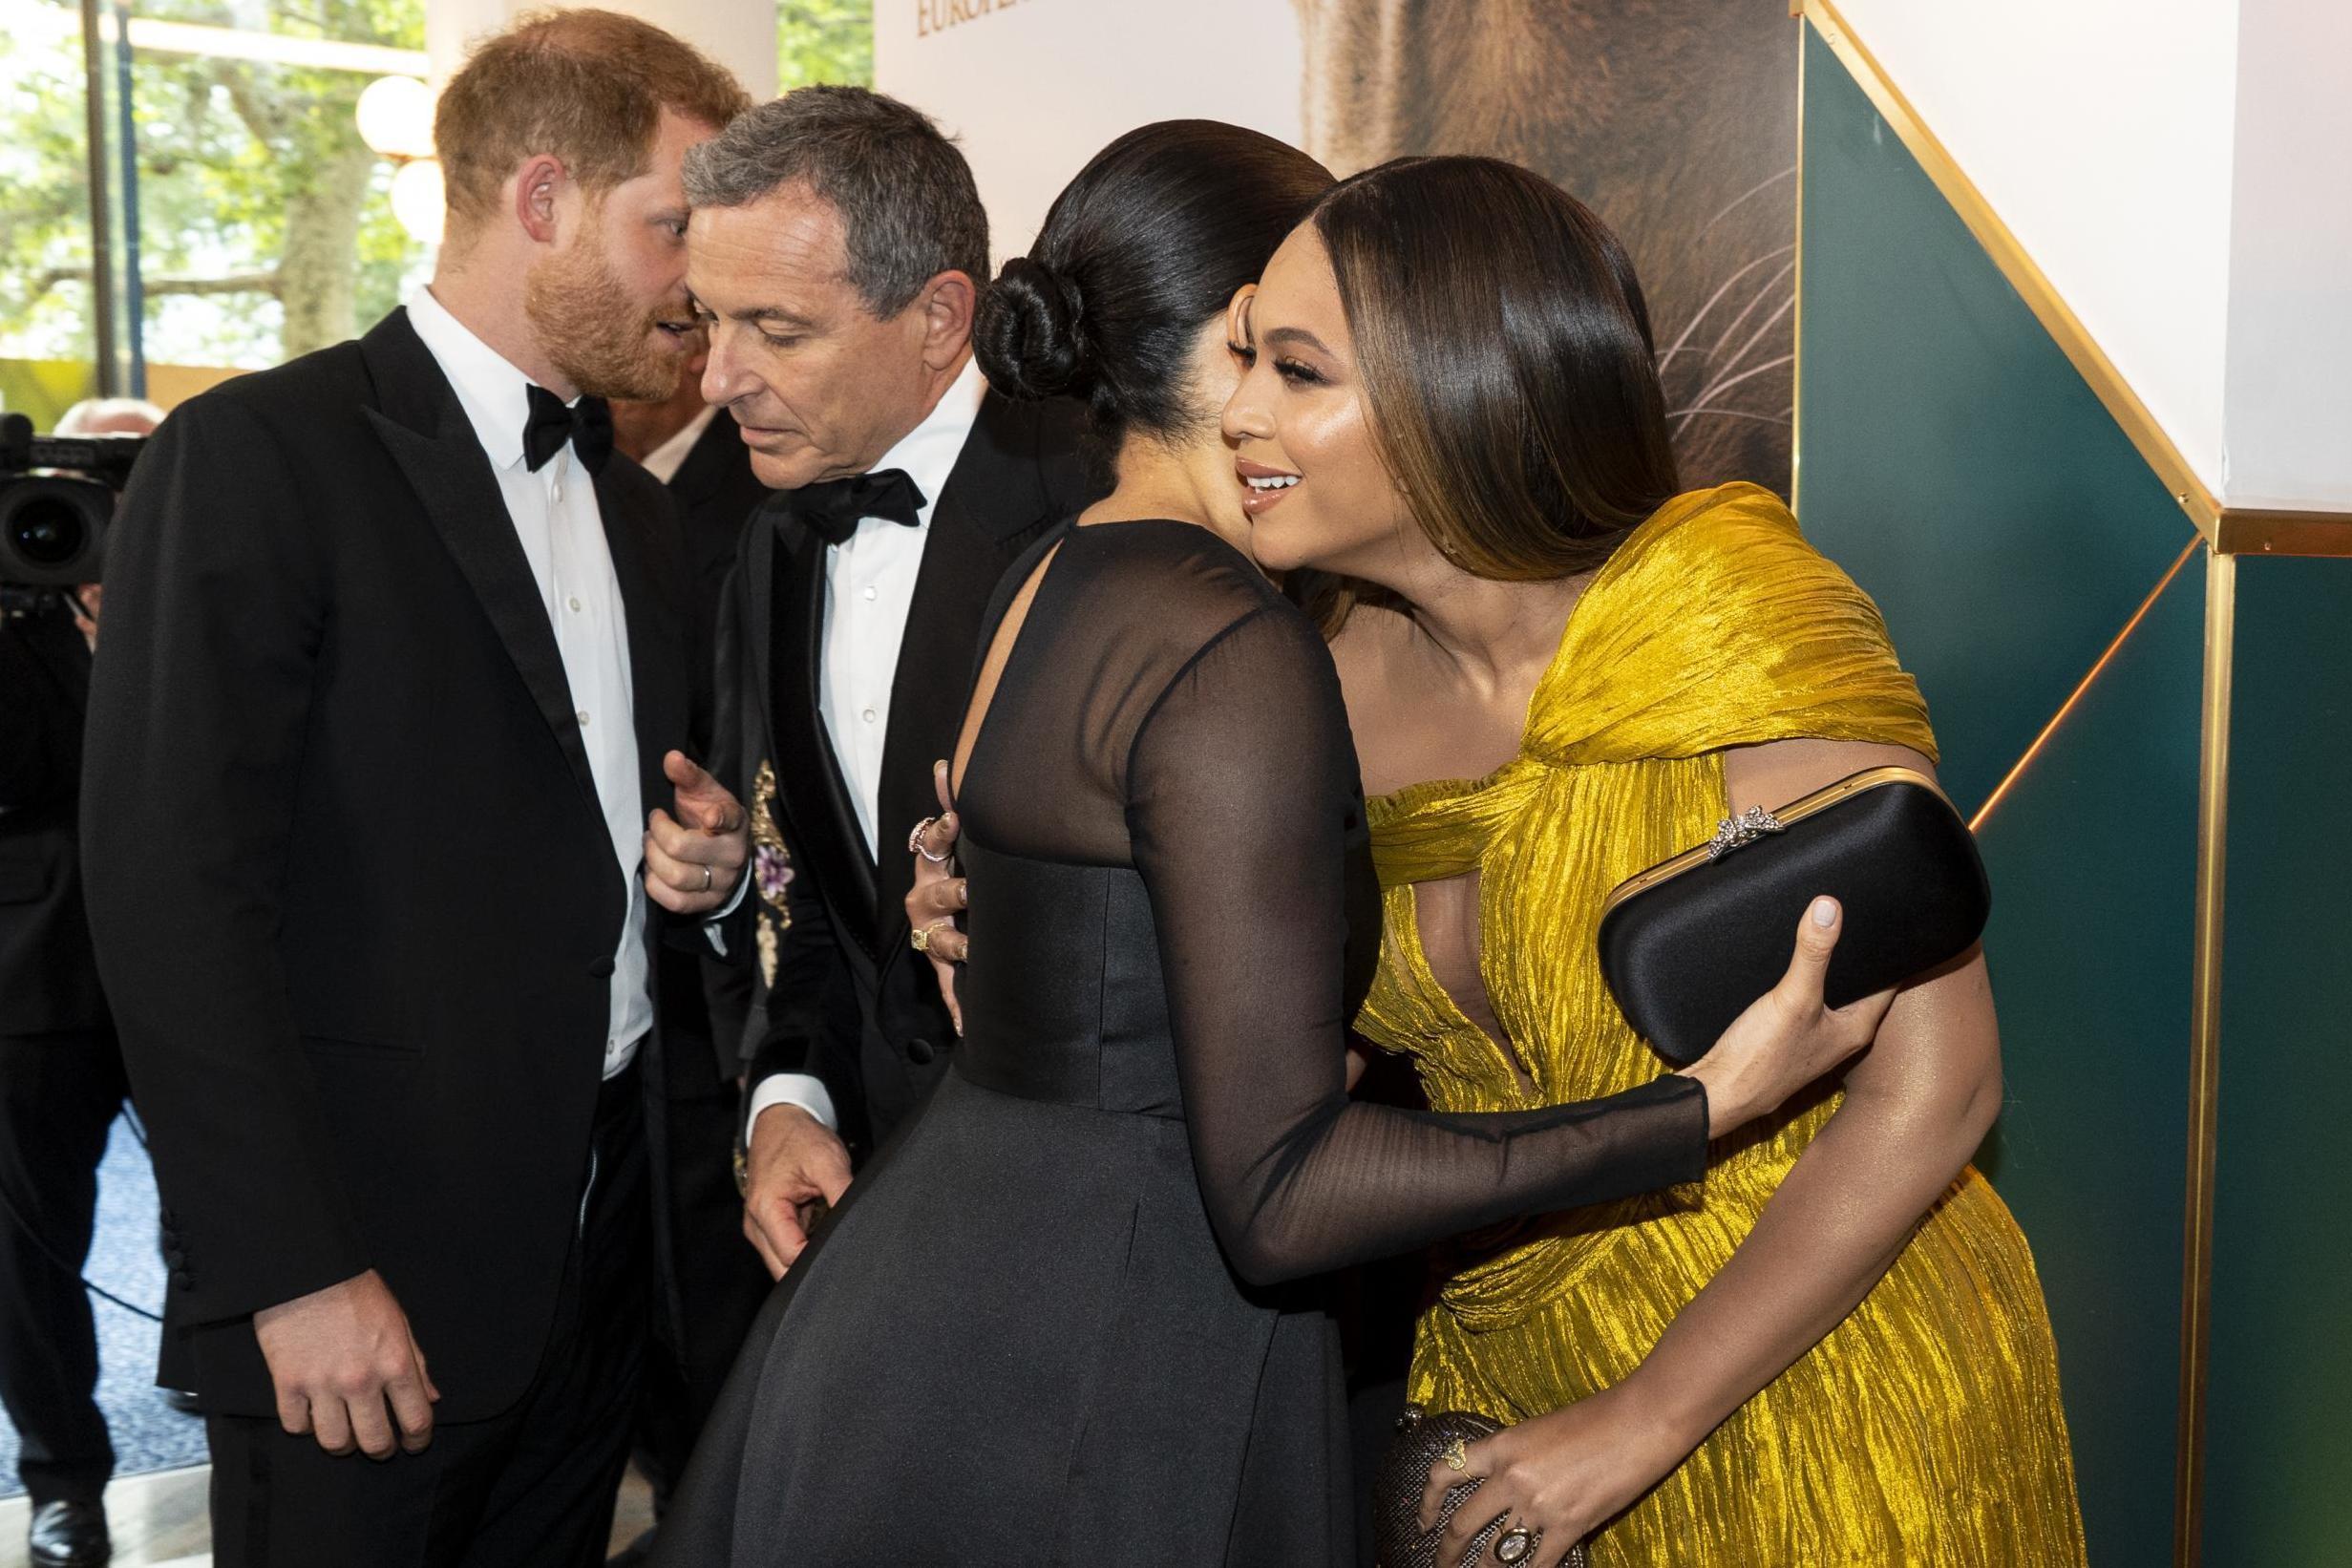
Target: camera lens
(47, 530)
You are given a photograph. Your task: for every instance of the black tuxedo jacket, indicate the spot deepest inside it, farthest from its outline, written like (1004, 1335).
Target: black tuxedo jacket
(49, 978)
(353, 897)
(714, 490)
(850, 1002)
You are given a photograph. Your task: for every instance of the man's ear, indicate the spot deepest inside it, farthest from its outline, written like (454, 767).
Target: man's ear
(538, 187)
(947, 302)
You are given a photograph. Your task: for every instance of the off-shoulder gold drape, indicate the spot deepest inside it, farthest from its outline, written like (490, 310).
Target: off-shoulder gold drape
(1924, 1430)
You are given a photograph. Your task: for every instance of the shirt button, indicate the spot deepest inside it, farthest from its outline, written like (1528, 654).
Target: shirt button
(873, 594)
(555, 492)
(575, 604)
(582, 717)
(869, 715)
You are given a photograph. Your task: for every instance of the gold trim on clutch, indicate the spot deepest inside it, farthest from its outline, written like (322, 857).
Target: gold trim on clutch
(1788, 815)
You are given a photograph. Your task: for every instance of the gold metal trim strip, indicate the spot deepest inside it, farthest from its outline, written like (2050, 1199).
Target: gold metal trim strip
(1796, 321)
(1794, 812)
(2227, 529)
(2204, 1057)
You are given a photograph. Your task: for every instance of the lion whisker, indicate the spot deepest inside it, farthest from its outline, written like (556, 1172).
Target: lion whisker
(1787, 267)
(1753, 190)
(1692, 324)
(1753, 338)
(1703, 406)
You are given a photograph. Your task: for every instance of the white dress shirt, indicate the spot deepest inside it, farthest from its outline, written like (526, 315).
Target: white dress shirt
(663, 461)
(555, 515)
(869, 587)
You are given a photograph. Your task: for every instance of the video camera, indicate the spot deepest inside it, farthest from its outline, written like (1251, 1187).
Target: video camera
(56, 496)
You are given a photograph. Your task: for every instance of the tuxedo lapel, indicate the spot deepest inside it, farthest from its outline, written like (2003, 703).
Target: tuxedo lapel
(809, 777)
(998, 498)
(422, 424)
(636, 536)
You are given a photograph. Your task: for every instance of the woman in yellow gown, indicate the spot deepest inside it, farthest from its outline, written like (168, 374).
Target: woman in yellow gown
(1835, 1349)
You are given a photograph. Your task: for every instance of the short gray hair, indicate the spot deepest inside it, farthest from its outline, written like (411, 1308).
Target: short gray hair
(909, 209)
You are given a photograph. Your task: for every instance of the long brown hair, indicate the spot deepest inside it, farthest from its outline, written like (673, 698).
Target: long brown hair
(1509, 370)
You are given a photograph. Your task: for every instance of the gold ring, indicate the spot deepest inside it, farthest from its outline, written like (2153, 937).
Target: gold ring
(1457, 1456)
(707, 879)
(921, 939)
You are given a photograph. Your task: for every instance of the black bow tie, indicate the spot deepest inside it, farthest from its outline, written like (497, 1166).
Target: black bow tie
(832, 509)
(586, 424)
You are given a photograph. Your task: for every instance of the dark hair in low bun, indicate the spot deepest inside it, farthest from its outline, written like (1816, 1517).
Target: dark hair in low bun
(1030, 334)
(1146, 246)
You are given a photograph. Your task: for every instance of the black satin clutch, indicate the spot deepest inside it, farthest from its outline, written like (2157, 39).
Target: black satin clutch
(1688, 944)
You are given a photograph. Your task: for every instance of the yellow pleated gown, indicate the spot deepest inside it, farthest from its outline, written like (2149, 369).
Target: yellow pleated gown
(1924, 1430)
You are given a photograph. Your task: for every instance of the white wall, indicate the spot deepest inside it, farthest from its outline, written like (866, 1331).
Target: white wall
(2287, 424)
(740, 34)
(2101, 132)
(2182, 171)
(1034, 88)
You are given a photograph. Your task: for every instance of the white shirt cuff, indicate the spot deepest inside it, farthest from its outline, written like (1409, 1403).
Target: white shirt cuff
(793, 1089)
(713, 922)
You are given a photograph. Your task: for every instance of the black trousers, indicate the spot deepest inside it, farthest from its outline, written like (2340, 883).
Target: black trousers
(721, 1281)
(533, 1488)
(58, 1095)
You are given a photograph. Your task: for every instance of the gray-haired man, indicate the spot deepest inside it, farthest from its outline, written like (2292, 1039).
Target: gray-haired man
(836, 248)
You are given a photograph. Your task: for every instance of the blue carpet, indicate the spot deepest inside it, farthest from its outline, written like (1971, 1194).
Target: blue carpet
(148, 1433)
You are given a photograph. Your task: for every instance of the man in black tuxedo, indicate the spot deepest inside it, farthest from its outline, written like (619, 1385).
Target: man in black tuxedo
(393, 668)
(837, 243)
(694, 449)
(61, 1085)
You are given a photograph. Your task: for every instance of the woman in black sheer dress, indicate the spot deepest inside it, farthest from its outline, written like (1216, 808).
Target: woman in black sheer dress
(1071, 1315)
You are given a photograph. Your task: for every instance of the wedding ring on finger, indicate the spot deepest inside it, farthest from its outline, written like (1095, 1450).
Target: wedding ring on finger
(707, 879)
(1517, 1544)
(1457, 1456)
(923, 936)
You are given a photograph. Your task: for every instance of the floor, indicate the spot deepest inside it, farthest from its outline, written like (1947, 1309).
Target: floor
(159, 1520)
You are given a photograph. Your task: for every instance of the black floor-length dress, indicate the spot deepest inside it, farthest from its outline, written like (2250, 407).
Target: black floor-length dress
(1070, 1316)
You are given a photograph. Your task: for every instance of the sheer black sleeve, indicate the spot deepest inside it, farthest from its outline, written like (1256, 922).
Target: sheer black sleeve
(1241, 791)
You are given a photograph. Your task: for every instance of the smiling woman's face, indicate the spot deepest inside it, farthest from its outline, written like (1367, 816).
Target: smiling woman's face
(1318, 494)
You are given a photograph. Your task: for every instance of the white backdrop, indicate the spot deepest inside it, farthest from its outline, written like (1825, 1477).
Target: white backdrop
(1034, 88)
(2180, 170)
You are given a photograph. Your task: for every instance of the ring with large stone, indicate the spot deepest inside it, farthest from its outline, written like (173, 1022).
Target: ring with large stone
(921, 939)
(1457, 1456)
(1517, 1544)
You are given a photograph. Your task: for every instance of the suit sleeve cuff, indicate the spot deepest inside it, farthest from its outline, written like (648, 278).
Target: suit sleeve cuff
(714, 923)
(798, 1089)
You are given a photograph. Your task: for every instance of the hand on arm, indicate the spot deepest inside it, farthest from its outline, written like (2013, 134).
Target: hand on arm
(939, 896)
(694, 858)
(1915, 1107)
(1238, 794)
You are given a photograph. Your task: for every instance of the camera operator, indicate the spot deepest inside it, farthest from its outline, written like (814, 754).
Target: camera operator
(61, 1076)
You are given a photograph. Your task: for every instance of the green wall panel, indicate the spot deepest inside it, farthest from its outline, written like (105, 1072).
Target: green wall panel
(1954, 462)
(2278, 1440)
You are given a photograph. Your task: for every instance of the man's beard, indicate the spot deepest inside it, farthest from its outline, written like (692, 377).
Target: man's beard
(591, 329)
